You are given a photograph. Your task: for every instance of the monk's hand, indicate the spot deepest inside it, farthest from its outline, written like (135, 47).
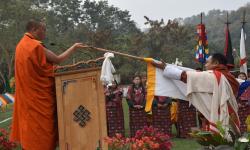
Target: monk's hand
(160, 65)
(79, 45)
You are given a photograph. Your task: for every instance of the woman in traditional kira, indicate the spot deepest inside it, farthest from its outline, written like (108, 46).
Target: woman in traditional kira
(114, 110)
(136, 101)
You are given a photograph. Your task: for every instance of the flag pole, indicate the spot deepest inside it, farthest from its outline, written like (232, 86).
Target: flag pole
(244, 18)
(102, 50)
(228, 51)
(227, 22)
(115, 52)
(201, 17)
(243, 51)
(202, 64)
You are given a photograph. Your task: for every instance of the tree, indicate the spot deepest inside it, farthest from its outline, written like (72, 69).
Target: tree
(170, 40)
(13, 16)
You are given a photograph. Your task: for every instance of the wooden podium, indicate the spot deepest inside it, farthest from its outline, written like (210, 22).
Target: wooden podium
(81, 110)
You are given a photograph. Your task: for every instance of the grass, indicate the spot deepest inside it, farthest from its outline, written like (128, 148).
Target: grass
(126, 117)
(178, 143)
(185, 144)
(5, 115)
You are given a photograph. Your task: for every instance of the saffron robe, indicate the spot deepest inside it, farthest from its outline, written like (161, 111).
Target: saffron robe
(34, 123)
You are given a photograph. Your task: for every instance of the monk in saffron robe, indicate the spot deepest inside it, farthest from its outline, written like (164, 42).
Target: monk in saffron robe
(34, 123)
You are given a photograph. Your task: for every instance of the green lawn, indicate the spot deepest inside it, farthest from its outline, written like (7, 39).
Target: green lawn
(5, 115)
(185, 144)
(178, 143)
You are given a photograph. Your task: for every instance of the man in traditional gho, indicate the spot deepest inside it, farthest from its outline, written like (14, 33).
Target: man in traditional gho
(212, 92)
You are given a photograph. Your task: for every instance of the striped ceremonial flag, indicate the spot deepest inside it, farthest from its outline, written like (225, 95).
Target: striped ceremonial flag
(201, 50)
(6, 98)
(243, 58)
(158, 85)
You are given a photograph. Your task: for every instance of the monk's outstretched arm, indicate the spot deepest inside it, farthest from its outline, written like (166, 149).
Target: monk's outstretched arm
(57, 59)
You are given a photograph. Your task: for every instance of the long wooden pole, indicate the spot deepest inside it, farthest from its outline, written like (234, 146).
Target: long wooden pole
(80, 62)
(115, 52)
(102, 50)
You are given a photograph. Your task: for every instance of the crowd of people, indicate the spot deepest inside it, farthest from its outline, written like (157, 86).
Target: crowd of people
(34, 123)
(136, 99)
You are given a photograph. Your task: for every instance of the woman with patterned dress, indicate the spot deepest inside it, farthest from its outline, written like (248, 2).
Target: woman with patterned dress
(136, 102)
(161, 115)
(114, 110)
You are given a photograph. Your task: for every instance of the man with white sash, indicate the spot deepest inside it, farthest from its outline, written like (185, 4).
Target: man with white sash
(212, 92)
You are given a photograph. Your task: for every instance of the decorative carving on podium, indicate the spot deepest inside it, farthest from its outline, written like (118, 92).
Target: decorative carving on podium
(81, 116)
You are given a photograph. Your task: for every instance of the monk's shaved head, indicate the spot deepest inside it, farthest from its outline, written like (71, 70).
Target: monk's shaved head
(34, 24)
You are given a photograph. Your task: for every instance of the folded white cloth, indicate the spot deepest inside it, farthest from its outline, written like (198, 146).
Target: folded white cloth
(107, 69)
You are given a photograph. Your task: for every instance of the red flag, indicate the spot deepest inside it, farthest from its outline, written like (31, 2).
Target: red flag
(228, 51)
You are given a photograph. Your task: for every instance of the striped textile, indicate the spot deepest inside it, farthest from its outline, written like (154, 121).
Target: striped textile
(6, 98)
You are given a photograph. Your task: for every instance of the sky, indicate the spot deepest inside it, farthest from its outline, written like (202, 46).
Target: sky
(170, 9)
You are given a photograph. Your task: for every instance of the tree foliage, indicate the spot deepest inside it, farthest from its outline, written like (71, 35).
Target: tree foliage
(102, 25)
